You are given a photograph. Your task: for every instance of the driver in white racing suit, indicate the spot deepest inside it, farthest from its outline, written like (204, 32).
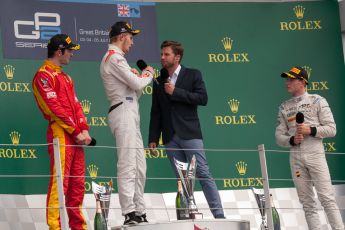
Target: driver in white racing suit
(307, 155)
(123, 86)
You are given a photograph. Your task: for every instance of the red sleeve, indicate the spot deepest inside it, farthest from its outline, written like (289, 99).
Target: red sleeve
(45, 94)
(82, 122)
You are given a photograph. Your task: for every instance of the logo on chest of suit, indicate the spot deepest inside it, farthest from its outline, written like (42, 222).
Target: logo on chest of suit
(234, 118)
(305, 108)
(241, 181)
(16, 151)
(300, 23)
(51, 95)
(45, 84)
(95, 121)
(9, 86)
(229, 55)
(315, 85)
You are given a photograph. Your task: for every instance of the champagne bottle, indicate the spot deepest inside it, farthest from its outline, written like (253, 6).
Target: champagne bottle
(275, 215)
(182, 212)
(99, 221)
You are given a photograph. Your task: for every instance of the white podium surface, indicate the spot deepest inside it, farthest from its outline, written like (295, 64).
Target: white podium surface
(190, 225)
(29, 211)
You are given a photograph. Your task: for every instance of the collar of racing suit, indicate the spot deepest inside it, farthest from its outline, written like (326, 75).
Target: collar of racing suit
(116, 49)
(52, 66)
(301, 97)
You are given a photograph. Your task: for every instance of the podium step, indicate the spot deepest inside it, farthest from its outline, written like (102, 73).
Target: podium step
(190, 225)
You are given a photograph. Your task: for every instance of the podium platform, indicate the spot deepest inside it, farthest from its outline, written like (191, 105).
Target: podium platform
(190, 225)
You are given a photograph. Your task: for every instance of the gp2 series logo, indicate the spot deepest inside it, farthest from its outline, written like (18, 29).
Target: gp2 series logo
(45, 25)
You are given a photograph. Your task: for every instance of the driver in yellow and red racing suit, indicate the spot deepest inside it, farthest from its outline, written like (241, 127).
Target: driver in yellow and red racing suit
(55, 96)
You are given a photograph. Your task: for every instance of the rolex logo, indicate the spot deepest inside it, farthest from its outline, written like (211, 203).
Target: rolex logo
(308, 69)
(92, 169)
(9, 71)
(227, 43)
(86, 105)
(234, 104)
(315, 85)
(241, 167)
(300, 24)
(299, 11)
(15, 137)
(228, 57)
(234, 119)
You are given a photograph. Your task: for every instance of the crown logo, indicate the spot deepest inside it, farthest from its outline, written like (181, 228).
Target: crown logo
(161, 139)
(227, 43)
(241, 167)
(15, 137)
(299, 11)
(308, 69)
(92, 171)
(9, 71)
(156, 73)
(234, 104)
(86, 105)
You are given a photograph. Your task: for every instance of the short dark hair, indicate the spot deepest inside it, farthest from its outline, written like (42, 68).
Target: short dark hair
(175, 46)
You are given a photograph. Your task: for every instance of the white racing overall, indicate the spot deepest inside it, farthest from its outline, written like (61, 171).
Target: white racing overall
(123, 89)
(307, 160)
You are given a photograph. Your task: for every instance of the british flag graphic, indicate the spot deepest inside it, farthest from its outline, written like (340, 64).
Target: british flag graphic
(123, 10)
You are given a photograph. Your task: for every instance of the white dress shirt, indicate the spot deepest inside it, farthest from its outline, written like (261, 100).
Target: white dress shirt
(173, 77)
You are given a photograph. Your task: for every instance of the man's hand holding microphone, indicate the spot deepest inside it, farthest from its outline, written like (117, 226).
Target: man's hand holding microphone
(301, 129)
(144, 67)
(169, 87)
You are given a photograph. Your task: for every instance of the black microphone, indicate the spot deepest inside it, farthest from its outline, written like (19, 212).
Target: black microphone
(299, 118)
(93, 142)
(164, 74)
(142, 65)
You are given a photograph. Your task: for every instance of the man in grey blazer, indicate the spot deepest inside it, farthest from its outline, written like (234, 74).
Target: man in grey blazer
(174, 113)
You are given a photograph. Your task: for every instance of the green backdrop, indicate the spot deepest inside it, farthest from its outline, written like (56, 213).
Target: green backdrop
(263, 40)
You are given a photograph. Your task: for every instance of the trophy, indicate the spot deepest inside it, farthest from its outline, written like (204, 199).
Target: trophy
(186, 173)
(102, 195)
(260, 200)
